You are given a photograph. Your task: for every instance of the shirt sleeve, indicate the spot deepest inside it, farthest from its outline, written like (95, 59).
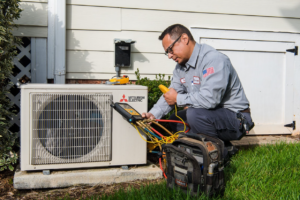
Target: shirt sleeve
(215, 77)
(161, 108)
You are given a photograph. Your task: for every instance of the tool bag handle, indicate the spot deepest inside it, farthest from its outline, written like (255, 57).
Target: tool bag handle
(200, 136)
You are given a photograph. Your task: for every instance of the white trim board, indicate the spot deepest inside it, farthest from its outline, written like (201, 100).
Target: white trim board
(57, 40)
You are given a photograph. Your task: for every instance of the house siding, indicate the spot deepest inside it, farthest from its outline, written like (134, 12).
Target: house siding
(34, 19)
(92, 25)
(90, 46)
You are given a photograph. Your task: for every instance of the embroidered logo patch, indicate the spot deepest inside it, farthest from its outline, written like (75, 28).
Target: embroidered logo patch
(196, 80)
(208, 71)
(182, 80)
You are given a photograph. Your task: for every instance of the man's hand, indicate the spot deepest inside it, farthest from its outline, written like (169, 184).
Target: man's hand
(171, 96)
(148, 115)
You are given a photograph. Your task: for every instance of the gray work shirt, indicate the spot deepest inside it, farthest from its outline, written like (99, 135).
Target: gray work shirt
(207, 80)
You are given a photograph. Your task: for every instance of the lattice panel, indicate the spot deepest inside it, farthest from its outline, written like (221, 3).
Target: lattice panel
(21, 74)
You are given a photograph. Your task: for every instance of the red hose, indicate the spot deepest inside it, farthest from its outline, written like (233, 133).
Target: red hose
(175, 121)
(162, 168)
(169, 120)
(157, 132)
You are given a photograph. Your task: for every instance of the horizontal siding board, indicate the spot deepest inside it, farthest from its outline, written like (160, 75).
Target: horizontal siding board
(239, 7)
(242, 45)
(106, 76)
(33, 14)
(148, 41)
(43, 1)
(93, 18)
(104, 40)
(30, 31)
(103, 62)
(152, 20)
(244, 35)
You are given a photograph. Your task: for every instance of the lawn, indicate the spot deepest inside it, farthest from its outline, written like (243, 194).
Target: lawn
(263, 172)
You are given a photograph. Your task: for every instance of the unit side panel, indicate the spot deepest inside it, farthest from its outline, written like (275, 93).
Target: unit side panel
(128, 146)
(25, 132)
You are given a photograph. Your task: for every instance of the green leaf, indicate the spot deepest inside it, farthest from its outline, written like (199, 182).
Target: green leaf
(3, 168)
(10, 167)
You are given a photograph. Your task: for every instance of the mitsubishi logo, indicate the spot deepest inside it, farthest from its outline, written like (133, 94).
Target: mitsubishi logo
(125, 100)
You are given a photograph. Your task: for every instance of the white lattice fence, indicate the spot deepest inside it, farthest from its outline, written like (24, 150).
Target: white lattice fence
(21, 74)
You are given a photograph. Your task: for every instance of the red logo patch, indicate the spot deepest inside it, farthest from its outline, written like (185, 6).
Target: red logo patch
(196, 80)
(125, 100)
(182, 80)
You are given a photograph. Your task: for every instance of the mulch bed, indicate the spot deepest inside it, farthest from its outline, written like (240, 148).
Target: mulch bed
(7, 190)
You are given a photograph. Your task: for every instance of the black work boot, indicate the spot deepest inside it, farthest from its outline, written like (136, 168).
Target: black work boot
(231, 150)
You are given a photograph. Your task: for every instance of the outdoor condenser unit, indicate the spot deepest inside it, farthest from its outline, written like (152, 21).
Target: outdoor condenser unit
(73, 126)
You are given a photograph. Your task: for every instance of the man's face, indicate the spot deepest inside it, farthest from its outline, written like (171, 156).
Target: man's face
(179, 51)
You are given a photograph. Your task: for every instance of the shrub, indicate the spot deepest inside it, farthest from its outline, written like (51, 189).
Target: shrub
(9, 11)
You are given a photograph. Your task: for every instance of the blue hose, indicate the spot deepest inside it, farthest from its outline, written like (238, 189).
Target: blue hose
(153, 134)
(154, 151)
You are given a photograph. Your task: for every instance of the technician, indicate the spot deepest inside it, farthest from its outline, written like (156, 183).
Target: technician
(205, 82)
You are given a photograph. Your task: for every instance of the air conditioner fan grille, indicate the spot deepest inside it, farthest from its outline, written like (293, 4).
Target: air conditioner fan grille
(71, 128)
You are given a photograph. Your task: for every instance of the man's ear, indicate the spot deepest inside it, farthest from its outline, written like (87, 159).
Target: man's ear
(185, 38)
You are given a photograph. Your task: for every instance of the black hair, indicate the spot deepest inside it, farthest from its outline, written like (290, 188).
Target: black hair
(175, 31)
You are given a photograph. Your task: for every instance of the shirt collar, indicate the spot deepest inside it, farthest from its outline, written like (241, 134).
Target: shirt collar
(194, 57)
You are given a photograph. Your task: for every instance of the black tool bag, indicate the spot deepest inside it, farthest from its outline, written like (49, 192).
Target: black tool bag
(196, 164)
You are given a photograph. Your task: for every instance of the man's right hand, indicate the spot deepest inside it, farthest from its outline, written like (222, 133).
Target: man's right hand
(148, 115)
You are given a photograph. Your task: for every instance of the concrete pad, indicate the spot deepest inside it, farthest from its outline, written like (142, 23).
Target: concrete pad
(92, 177)
(261, 140)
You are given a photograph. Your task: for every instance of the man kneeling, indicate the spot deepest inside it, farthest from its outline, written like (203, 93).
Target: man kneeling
(205, 82)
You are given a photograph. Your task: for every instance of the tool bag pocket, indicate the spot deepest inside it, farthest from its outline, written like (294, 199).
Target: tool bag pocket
(194, 166)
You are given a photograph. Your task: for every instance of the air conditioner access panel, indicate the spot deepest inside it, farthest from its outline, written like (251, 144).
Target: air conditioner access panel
(73, 126)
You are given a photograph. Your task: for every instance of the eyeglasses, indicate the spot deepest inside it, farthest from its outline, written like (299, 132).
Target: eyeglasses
(169, 49)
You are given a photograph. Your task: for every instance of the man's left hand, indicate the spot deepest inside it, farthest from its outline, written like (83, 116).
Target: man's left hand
(171, 96)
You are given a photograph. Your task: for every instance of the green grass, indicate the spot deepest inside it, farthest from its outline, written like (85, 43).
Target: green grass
(265, 172)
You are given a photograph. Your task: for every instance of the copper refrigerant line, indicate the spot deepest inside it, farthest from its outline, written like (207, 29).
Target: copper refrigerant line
(155, 136)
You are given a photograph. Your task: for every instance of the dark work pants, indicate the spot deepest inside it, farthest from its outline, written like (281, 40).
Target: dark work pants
(220, 122)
